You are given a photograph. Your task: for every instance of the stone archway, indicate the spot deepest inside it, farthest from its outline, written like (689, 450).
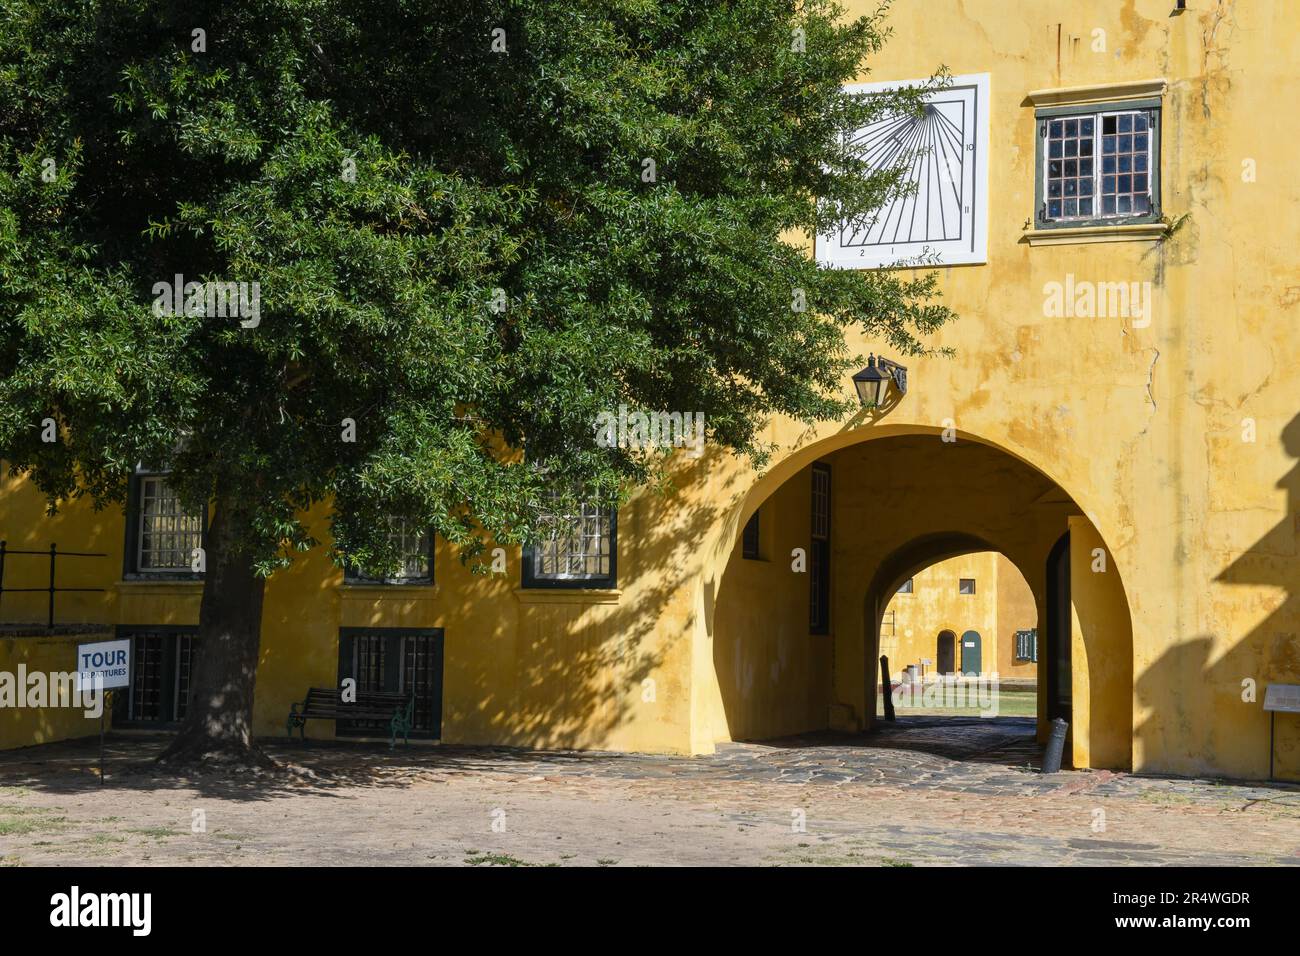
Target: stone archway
(903, 501)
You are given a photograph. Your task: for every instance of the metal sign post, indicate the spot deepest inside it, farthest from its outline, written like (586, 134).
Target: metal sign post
(108, 665)
(1279, 697)
(108, 697)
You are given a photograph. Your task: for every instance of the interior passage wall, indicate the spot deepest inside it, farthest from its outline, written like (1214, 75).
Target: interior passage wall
(1016, 612)
(773, 674)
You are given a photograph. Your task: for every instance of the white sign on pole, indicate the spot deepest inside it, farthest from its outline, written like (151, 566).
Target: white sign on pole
(1282, 697)
(108, 659)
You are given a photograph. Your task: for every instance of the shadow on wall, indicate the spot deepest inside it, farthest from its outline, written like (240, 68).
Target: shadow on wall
(1270, 652)
(579, 671)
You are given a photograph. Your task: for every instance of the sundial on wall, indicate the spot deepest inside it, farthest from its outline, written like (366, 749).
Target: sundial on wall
(945, 152)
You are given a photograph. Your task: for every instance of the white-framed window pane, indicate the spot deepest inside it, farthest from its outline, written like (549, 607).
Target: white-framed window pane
(1071, 167)
(411, 541)
(168, 534)
(574, 543)
(1125, 159)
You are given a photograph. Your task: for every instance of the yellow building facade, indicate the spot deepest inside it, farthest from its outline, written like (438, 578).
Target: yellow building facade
(961, 616)
(1136, 461)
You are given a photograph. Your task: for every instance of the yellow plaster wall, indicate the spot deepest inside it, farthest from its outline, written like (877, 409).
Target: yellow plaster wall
(25, 726)
(936, 605)
(1017, 611)
(1101, 680)
(776, 673)
(1178, 439)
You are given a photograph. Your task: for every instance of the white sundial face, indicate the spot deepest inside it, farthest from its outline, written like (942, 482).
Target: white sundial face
(944, 153)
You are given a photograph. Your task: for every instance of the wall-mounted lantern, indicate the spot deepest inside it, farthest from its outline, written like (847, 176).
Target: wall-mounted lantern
(873, 383)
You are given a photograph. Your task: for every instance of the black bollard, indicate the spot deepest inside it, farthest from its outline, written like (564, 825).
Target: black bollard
(889, 690)
(1055, 746)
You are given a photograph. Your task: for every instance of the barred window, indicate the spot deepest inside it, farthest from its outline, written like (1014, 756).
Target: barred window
(576, 547)
(412, 542)
(161, 685)
(167, 532)
(1099, 165)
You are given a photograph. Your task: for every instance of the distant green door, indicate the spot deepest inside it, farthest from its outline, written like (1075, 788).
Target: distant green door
(970, 653)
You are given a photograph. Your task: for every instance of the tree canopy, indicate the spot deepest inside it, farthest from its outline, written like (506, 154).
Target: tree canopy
(473, 227)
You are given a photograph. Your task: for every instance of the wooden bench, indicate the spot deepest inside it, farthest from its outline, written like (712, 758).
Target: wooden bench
(326, 703)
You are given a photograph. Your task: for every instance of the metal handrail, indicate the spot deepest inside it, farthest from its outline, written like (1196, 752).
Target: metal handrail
(54, 553)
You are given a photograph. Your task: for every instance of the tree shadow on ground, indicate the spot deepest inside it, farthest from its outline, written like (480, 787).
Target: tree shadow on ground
(321, 768)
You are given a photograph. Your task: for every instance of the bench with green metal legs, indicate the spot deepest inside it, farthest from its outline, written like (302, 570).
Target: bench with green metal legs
(326, 703)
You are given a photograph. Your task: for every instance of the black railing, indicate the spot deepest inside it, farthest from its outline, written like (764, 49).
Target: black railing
(50, 589)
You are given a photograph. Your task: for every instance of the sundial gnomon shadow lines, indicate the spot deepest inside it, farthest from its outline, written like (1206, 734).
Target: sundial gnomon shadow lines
(935, 143)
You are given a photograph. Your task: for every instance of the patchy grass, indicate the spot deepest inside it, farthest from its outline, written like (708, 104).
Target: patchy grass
(157, 833)
(1011, 703)
(16, 820)
(496, 859)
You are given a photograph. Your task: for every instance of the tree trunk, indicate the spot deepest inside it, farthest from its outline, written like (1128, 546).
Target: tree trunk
(218, 726)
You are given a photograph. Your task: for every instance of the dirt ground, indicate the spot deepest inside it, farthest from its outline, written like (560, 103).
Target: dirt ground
(807, 802)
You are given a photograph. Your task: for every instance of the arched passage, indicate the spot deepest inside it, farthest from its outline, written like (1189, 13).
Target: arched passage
(900, 502)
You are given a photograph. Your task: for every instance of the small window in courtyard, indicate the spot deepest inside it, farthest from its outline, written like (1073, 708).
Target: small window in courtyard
(577, 548)
(1099, 166)
(1027, 646)
(414, 544)
(163, 534)
(965, 585)
(906, 587)
(749, 539)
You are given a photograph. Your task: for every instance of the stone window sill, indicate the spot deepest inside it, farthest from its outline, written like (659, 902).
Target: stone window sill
(1144, 232)
(568, 595)
(159, 585)
(394, 592)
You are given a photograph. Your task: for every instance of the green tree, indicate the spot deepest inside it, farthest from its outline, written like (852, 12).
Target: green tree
(474, 228)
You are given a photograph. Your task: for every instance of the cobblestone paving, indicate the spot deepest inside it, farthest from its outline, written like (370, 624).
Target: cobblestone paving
(924, 791)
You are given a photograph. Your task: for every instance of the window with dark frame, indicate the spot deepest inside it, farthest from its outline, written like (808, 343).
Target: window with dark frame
(395, 660)
(163, 536)
(415, 546)
(819, 555)
(577, 548)
(905, 587)
(161, 671)
(1098, 165)
(749, 539)
(965, 585)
